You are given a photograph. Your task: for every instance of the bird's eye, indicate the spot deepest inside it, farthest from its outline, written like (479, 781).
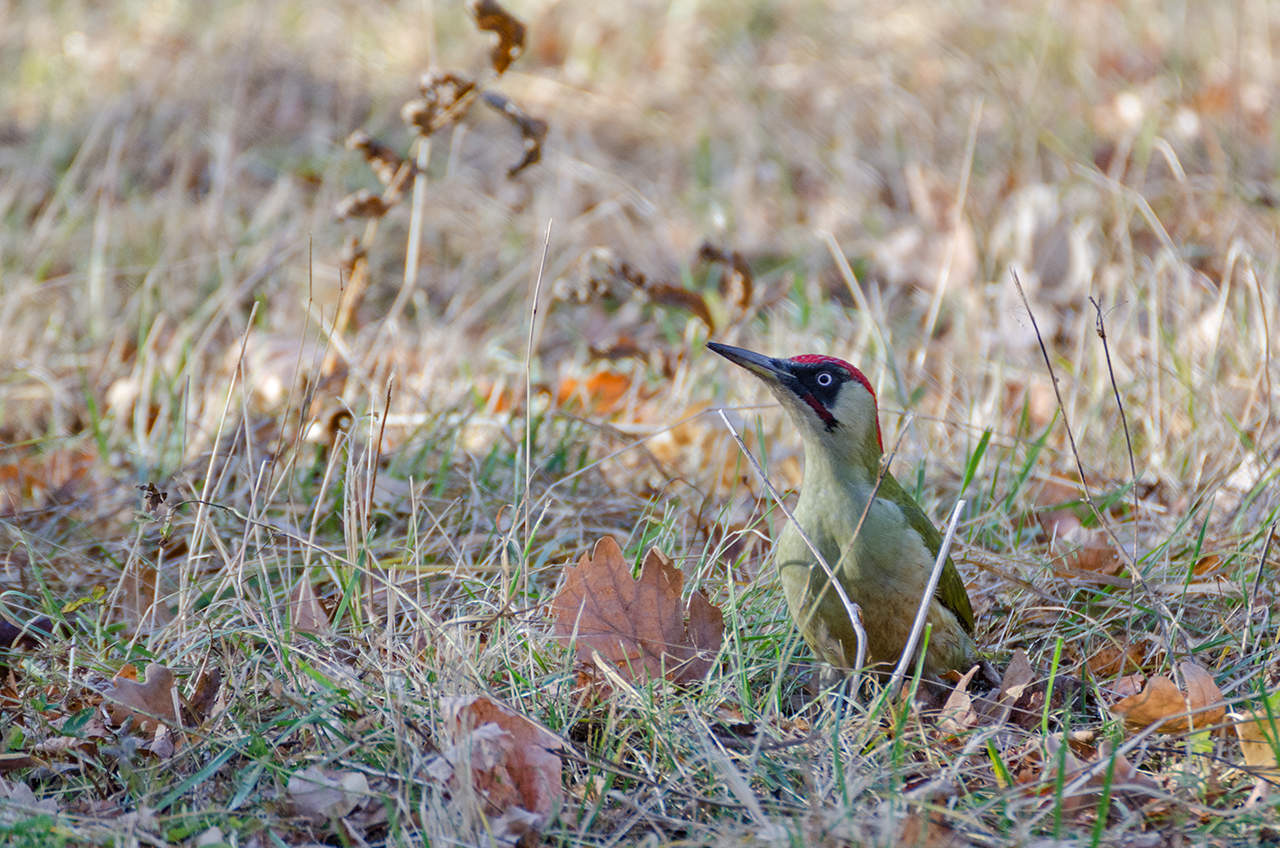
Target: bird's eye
(825, 379)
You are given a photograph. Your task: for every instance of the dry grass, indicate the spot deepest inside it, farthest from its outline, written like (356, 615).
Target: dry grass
(171, 272)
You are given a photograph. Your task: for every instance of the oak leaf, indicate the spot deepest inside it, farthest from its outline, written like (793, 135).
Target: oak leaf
(1162, 699)
(148, 704)
(639, 626)
(511, 763)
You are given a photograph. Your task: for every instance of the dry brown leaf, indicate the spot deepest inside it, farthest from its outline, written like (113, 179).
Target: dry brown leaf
(1017, 677)
(511, 760)
(148, 704)
(1110, 660)
(322, 794)
(1123, 687)
(927, 830)
(361, 203)
(1161, 699)
(1125, 778)
(958, 714)
(636, 625)
(736, 283)
(1207, 565)
(1095, 560)
(491, 17)
(305, 610)
(36, 478)
(446, 97)
(385, 162)
(206, 693)
(665, 294)
(532, 130)
(1257, 732)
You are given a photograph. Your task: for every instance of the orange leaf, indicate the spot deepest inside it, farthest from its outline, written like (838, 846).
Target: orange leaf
(603, 392)
(637, 625)
(1161, 699)
(1110, 660)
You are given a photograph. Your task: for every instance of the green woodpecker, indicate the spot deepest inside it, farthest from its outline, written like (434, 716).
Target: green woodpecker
(884, 565)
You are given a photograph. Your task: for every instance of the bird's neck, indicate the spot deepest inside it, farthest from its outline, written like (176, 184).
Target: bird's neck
(848, 474)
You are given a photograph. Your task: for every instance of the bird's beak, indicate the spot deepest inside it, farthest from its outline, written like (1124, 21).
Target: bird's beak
(765, 367)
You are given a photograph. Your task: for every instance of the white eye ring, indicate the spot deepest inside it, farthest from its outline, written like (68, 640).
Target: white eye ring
(825, 379)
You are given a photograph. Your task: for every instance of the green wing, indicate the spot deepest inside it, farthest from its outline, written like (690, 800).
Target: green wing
(951, 592)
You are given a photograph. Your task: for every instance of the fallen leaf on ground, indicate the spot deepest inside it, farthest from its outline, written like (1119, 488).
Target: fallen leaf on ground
(1124, 780)
(512, 763)
(1161, 699)
(21, 795)
(1258, 735)
(927, 830)
(148, 704)
(1207, 566)
(1017, 677)
(639, 626)
(602, 392)
(1095, 559)
(1111, 660)
(205, 695)
(304, 607)
(326, 793)
(957, 713)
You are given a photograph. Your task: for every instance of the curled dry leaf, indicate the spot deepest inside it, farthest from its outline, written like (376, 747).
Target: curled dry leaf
(491, 17)
(667, 294)
(736, 283)
(532, 130)
(638, 626)
(385, 163)
(446, 97)
(1161, 699)
(148, 704)
(958, 714)
(322, 794)
(362, 204)
(512, 761)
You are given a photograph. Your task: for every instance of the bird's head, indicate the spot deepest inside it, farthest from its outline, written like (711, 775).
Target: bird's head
(831, 401)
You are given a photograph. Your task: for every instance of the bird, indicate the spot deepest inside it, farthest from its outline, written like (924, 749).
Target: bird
(884, 559)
